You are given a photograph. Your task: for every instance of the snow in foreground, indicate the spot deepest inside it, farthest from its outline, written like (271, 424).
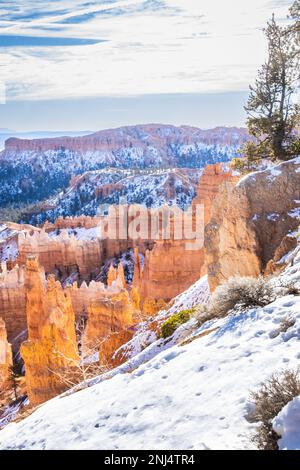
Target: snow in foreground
(189, 396)
(287, 425)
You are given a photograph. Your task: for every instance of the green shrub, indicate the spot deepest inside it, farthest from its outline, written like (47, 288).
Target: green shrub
(172, 323)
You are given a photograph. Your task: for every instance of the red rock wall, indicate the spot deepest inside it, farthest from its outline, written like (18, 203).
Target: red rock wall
(5, 359)
(107, 316)
(250, 221)
(51, 348)
(13, 301)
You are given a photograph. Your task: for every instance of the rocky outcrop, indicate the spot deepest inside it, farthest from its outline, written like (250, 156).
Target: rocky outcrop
(137, 271)
(136, 301)
(51, 349)
(212, 178)
(82, 221)
(278, 262)
(83, 295)
(173, 265)
(110, 345)
(111, 275)
(6, 360)
(250, 221)
(121, 275)
(13, 300)
(107, 317)
(63, 253)
(169, 269)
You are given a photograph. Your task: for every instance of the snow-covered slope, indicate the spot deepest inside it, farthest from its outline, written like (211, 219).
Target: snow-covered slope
(183, 395)
(87, 192)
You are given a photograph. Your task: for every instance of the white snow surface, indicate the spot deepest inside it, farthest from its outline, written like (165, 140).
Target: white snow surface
(287, 425)
(271, 170)
(180, 396)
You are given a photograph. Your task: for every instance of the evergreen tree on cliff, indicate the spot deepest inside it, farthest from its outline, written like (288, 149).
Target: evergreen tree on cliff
(295, 27)
(273, 114)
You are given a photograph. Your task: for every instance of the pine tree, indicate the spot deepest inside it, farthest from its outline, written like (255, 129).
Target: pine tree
(272, 112)
(295, 27)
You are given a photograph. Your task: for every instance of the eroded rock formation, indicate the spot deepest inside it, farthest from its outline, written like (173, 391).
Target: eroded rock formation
(173, 265)
(250, 221)
(6, 360)
(110, 345)
(13, 300)
(169, 269)
(212, 178)
(51, 349)
(111, 275)
(109, 317)
(63, 253)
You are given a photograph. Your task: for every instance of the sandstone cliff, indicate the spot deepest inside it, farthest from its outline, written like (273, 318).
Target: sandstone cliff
(212, 178)
(6, 360)
(251, 220)
(173, 265)
(109, 320)
(169, 269)
(12, 300)
(51, 349)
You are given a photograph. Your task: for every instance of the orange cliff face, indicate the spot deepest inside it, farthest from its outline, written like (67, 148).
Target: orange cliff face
(49, 311)
(210, 182)
(109, 320)
(173, 265)
(62, 253)
(111, 275)
(51, 348)
(169, 267)
(6, 360)
(13, 300)
(252, 223)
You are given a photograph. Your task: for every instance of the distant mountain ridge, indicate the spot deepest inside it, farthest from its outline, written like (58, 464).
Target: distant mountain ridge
(6, 134)
(141, 135)
(35, 170)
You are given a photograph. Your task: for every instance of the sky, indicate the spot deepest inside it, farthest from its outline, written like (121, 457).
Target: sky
(80, 64)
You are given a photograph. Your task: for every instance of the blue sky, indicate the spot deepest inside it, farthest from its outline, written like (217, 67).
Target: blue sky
(71, 65)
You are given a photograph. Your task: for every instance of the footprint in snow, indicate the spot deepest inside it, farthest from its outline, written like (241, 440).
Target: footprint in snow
(288, 304)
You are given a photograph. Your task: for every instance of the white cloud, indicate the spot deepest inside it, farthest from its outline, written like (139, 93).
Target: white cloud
(153, 46)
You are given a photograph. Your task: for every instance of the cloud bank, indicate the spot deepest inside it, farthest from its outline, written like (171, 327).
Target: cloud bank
(69, 49)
